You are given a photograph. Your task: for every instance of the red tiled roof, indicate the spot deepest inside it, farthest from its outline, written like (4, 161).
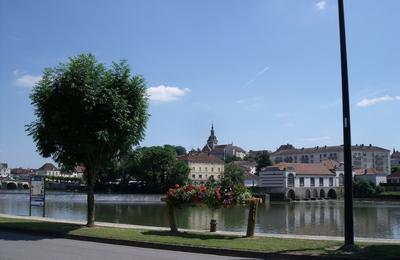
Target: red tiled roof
(368, 171)
(394, 175)
(200, 158)
(302, 168)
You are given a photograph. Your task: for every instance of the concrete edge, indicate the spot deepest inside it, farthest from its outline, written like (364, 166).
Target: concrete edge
(181, 248)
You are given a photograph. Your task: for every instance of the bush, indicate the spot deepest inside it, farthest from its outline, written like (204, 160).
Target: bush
(363, 187)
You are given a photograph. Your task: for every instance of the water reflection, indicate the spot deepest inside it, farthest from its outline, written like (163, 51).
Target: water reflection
(372, 219)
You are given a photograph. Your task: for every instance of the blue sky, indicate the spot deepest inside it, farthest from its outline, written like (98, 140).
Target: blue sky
(265, 72)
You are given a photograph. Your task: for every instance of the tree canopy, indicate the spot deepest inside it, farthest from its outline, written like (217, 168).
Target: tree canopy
(262, 160)
(88, 114)
(233, 174)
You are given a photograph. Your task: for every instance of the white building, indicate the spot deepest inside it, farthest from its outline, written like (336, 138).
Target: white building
(203, 167)
(364, 156)
(4, 170)
(371, 175)
(250, 179)
(48, 169)
(301, 180)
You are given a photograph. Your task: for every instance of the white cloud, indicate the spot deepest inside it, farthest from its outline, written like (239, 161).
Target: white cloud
(265, 69)
(26, 80)
(373, 101)
(165, 93)
(321, 5)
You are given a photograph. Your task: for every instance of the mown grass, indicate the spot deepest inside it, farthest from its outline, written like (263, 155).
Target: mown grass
(259, 244)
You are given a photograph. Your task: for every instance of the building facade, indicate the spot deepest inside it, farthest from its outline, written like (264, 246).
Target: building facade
(301, 181)
(48, 169)
(203, 167)
(364, 156)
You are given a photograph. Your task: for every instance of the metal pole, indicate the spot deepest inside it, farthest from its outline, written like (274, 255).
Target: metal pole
(44, 196)
(348, 171)
(30, 196)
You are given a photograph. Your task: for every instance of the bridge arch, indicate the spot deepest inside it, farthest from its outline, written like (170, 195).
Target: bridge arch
(332, 194)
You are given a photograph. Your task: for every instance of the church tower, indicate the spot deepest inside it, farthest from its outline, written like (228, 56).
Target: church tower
(211, 141)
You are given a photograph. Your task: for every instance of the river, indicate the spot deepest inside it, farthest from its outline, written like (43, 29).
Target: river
(380, 219)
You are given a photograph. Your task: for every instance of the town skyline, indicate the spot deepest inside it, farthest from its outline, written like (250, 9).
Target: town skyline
(278, 83)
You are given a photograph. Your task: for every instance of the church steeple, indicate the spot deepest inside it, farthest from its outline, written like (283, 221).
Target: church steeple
(211, 141)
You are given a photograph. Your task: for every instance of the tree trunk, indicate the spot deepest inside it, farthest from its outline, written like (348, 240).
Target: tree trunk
(251, 223)
(171, 217)
(91, 176)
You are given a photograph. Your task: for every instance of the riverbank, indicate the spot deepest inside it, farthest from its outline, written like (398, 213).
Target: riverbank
(223, 243)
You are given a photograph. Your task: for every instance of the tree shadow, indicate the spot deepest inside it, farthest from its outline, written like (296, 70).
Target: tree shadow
(182, 234)
(28, 230)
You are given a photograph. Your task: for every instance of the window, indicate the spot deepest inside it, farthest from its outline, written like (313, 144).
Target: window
(321, 181)
(301, 182)
(193, 168)
(290, 180)
(330, 181)
(341, 179)
(193, 176)
(219, 169)
(199, 169)
(212, 169)
(312, 182)
(206, 169)
(200, 176)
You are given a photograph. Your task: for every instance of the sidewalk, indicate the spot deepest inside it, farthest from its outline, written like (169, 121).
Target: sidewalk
(308, 237)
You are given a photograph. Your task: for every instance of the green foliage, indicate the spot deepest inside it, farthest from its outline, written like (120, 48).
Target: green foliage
(158, 168)
(379, 189)
(262, 160)
(180, 150)
(362, 187)
(88, 114)
(233, 175)
(395, 169)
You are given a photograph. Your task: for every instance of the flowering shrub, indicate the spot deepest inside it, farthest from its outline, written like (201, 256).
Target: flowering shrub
(214, 196)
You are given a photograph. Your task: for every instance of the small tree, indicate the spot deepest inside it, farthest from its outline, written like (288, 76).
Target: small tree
(88, 114)
(233, 175)
(262, 160)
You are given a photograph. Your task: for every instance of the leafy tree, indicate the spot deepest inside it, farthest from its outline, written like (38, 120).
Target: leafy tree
(180, 150)
(233, 175)
(395, 169)
(88, 114)
(363, 187)
(159, 169)
(262, 160)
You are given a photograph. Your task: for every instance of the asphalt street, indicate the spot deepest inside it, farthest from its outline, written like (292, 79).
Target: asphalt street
(19, 246)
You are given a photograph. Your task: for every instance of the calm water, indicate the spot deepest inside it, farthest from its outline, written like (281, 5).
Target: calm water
(372, 219)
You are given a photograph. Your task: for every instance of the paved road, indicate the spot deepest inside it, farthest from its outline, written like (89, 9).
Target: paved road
(18, 246)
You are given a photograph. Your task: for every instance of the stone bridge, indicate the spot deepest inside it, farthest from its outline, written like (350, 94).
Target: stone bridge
(13, 185)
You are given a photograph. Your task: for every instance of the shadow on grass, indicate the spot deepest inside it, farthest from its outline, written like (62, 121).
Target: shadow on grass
(189, 235)
(42, 228)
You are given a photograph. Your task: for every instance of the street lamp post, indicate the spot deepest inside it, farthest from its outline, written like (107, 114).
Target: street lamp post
(348, 171)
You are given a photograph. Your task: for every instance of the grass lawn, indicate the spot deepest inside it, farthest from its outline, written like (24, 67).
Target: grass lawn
(390, 193)
(260, 244)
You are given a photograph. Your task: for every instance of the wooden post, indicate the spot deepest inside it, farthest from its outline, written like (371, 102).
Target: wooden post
(171, 217)
(251, 224)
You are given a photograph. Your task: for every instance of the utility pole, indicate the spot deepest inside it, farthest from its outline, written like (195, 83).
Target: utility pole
(348, 171)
